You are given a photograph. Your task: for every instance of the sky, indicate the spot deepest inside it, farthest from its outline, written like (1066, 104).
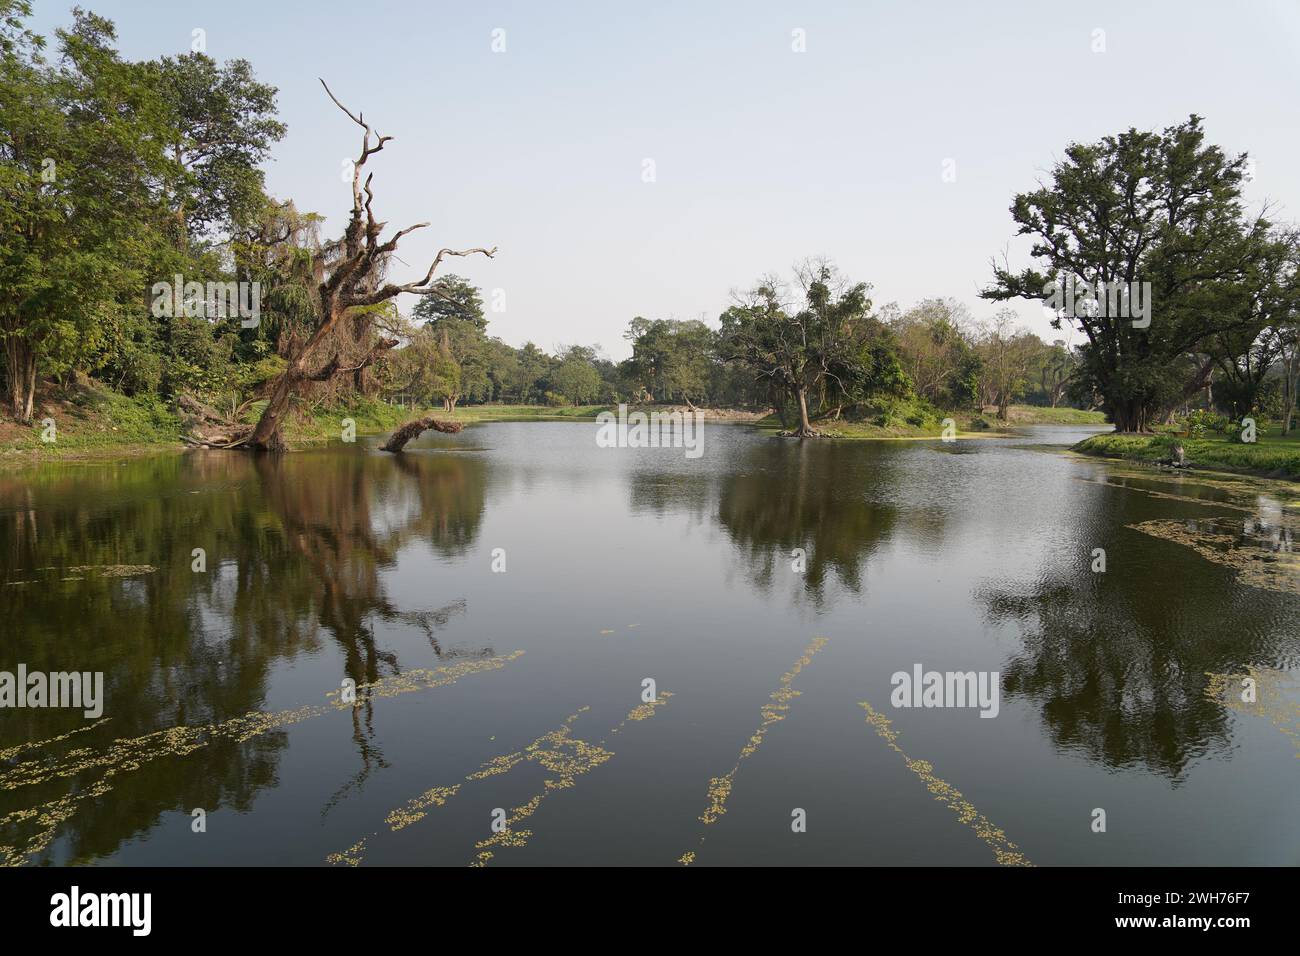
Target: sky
(536, 127)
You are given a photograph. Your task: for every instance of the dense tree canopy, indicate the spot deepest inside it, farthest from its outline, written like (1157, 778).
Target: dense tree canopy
(671, 359)
(1159, 214)
(79, 152)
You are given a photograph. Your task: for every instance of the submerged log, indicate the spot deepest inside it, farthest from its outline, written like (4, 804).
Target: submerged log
(416, 428)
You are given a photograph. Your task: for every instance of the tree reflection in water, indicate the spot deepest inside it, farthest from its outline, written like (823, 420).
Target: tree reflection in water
(296, 549)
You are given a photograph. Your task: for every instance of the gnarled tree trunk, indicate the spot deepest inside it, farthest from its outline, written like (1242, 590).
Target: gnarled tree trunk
(412, 430)
(355, 280)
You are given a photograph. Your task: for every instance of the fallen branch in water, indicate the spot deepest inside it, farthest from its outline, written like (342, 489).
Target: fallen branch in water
(209, 428)
(414, 429)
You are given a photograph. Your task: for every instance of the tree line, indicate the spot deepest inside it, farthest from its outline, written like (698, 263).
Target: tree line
(118, 178)
(830, 356)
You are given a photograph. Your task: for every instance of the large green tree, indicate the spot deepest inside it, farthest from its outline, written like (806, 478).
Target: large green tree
(80, 148)
(1154, 211)
(222, 124)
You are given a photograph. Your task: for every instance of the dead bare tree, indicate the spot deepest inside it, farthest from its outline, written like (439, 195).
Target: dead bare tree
(354, 278)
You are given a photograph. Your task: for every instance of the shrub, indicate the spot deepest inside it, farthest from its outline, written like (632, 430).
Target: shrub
(893, 412)
(1201, 422)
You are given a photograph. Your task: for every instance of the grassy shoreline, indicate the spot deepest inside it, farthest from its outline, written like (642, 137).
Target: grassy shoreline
(98, 424)
(1270, 457)
(969, 425)
(93, 424)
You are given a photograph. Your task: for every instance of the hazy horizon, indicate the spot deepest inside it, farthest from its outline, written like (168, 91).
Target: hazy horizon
(762, 155)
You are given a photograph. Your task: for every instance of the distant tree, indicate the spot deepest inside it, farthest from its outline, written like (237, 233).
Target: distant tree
(672, 359)
(445, 376)
(453, 312)
(424, 368)
(576, 378)
(874, 370)
(534, 366)
(1007, 355)
(504, 371)
(1055, 365)
(934, 348)
(279, 247)
(452, 303)
(793, 346)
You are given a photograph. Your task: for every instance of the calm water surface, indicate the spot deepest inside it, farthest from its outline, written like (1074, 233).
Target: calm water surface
(522, 690)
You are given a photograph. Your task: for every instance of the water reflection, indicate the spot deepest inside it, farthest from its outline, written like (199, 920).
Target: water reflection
(296, 548)
(1118, 663)
(343, 563)
(787, 495)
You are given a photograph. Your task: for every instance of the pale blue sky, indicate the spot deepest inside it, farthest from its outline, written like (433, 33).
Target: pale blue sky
(762, 155)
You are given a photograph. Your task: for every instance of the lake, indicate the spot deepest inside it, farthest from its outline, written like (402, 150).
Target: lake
(566, 654)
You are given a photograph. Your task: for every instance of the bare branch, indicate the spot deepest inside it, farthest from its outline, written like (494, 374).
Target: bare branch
(391, 244)
(420, 287)
(370, 197)
(355, 119)
(415, 286)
